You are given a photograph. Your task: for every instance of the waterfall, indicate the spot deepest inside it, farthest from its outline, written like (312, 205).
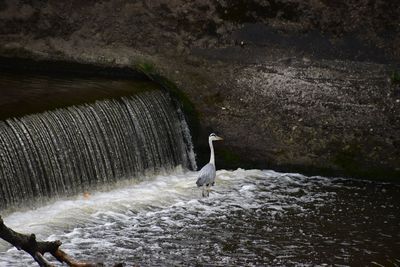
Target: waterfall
(69, 150)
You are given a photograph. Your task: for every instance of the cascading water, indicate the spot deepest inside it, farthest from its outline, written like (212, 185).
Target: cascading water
(69, 150)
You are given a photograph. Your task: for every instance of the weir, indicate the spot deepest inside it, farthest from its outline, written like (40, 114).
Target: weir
(68, 150)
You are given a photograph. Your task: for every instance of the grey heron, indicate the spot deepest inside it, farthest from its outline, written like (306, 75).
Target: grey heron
(206, 176)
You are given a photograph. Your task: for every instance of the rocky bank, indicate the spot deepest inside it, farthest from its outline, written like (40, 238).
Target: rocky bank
(309, 86)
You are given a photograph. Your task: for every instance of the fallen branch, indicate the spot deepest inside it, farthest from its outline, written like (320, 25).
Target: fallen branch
(37, 249)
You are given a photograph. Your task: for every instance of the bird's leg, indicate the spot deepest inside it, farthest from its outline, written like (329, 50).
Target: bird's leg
(208, 190)
(203, 193)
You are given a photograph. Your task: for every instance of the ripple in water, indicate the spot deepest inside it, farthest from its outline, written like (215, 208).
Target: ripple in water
(252, 217)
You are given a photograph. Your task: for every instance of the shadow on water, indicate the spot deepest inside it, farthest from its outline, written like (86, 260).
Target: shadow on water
(26, 89)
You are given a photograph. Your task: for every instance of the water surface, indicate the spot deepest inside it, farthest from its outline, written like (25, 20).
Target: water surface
(23, 94)
(252, 218)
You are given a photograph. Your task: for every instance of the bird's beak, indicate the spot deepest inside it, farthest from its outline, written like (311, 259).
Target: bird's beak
(219, 138)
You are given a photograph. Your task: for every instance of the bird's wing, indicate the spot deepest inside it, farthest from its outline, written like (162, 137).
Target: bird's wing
(206, 175)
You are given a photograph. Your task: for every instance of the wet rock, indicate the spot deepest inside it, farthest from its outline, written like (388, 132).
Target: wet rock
(293, 85)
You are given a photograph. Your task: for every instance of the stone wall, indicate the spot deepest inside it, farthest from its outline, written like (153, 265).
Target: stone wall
(305, 86)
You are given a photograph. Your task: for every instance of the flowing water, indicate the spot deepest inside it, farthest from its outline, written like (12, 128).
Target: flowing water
(252, 218)
(71, 149)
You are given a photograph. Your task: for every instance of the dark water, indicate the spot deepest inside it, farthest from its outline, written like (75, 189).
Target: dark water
(253, 218)
(22, 94)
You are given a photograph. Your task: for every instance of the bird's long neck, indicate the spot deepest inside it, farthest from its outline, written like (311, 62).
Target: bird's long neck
(212, 160)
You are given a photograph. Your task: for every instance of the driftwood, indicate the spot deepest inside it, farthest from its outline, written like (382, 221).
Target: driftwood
(37, 249)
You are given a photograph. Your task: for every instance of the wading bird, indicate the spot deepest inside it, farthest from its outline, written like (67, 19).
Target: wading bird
(206, 177)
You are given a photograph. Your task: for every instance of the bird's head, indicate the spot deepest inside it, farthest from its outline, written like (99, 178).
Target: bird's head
(214, 137)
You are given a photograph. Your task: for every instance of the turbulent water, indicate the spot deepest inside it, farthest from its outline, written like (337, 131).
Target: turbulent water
(252, 218)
